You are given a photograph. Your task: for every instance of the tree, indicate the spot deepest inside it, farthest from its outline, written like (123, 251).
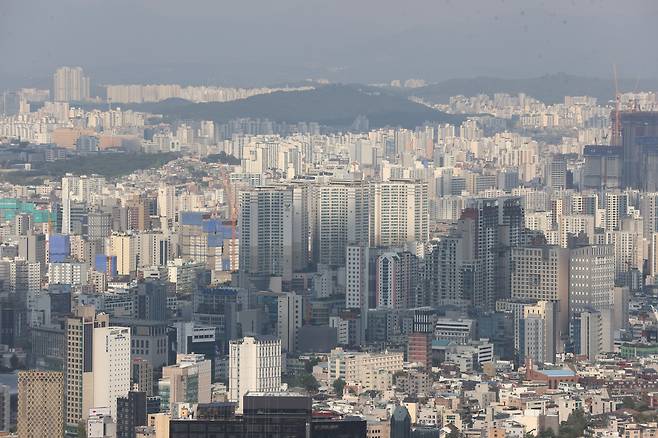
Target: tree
(308, 366)
(339, 387)
(82, 429)
(310, 383)
(574, 426)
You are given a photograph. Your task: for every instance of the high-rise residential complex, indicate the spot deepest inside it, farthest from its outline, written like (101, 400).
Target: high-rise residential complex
(289, 319)
(398, 212)
(357, 267)
(539, 332)
(70, 85)
(266, 232)
(341, 210)
(492, 227)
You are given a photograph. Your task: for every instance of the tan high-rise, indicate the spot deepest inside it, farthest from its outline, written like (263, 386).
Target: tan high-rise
(40, 404)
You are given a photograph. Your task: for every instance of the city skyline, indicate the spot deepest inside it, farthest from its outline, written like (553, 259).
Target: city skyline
(284, 220)
(509, 39)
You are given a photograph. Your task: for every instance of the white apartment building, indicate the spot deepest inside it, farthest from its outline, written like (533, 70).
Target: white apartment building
(72, 273)
(341, 218)
(573, 225)
(398, 212)
(266, 231)
(357, 278)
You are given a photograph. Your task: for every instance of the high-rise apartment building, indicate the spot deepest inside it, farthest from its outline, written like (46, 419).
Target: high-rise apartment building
(124, 247)
(616, 207)
(341, 209)
(539, 331)
(396, 280)
(542, 273)
(266, 232)
(596, 333)
(649, 211)
(575, 225)
(447, 270)
(289, 319)
(40, 404)
(492, 227)
(399, 212)
(70, 85)
(167, 201)
(555, 173)
(254, 365)
(357, 273)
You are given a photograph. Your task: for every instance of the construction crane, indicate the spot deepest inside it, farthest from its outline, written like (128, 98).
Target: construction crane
(233, 213)
(616, 127)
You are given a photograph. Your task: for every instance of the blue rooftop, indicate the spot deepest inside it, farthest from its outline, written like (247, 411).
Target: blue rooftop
(558, 373)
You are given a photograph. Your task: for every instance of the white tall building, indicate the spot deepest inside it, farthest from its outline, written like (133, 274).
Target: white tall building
(124, 247)
(649, 210)
(266, 232)
(254, 365)
(80, 189)
(596, 333)
(399, 212)
(357, 278)
(111, 372)
(70, 85)
(591, 278)
(167, 201)
(341, 219)
(289, 319)
(575, 224)
(539, 331)
(616, 207)
(73, 273)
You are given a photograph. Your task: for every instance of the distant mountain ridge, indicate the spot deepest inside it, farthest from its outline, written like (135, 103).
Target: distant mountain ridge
(330, 105)
(548, 88)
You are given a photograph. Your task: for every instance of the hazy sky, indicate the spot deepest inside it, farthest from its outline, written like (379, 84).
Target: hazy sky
(269, 41)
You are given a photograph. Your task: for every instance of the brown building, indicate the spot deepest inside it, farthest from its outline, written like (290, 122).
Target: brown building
(40, 404)
(419, 349)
